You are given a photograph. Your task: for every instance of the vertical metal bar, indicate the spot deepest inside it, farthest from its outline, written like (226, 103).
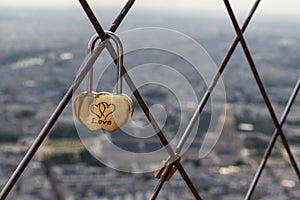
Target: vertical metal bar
(47, 127)
(91, 46)
(90, 80)
(212, 85)
(261, 87)
(272, 142)
(119, 60)
(138, 97)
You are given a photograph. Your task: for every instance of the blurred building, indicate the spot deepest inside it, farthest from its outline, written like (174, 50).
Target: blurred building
(229, 145)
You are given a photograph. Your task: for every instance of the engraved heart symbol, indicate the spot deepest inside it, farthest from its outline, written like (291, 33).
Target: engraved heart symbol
(100, 109)
(103, 110)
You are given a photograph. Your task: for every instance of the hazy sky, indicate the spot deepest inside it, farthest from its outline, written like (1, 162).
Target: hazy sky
(275, 6)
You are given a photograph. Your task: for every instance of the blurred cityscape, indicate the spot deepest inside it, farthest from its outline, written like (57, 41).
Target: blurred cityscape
(40, 55)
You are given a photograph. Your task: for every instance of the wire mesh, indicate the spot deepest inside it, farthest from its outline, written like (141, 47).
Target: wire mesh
(173, 155)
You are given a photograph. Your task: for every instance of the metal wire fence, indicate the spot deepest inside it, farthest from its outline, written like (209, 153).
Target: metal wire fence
(174, 155)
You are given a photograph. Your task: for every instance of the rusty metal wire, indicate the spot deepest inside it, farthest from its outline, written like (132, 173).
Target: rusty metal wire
(207, 94)
(261, 86)
(52, 120)
(272, 141)
(139, 99)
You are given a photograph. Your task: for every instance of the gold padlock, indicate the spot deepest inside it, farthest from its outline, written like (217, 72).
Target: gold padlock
(159, 171)
(162, 169)
(172, 172)
(105, 110)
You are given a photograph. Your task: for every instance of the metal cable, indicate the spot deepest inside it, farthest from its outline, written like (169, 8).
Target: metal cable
(261, 86)
(210, 89)
(139, 98)
(272, 142)
(173, 155)
(47, 127)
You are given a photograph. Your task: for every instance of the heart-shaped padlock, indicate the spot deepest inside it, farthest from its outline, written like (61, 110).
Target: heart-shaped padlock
(104, 110)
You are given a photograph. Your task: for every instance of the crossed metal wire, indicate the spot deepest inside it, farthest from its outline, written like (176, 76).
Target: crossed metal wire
(174, 156)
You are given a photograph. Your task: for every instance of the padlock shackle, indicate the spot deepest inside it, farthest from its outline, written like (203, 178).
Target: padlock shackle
(120, 51)
(91, 47)
(119, 59)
